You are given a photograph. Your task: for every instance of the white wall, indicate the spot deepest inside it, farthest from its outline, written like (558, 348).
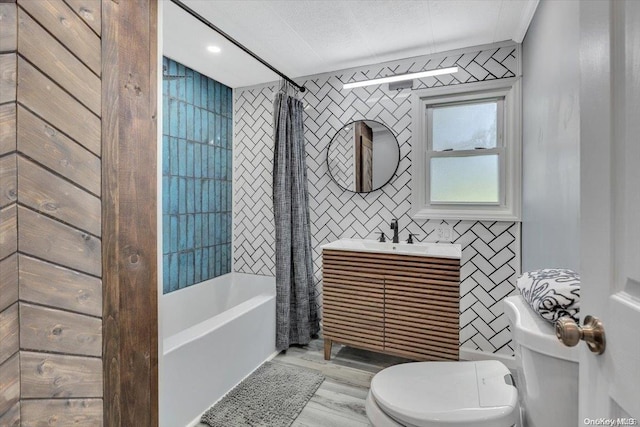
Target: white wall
(342, 158)
(551, 138)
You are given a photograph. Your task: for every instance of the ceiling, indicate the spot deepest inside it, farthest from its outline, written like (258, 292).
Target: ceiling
(306, 37)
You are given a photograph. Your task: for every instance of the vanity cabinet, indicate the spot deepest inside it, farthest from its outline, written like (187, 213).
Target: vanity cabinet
(404, 305)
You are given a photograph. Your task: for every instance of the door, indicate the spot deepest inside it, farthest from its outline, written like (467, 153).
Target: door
(610, 207)
(366, 163)
(363, 135)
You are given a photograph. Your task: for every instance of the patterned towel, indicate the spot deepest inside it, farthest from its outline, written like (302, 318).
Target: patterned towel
(552, 293)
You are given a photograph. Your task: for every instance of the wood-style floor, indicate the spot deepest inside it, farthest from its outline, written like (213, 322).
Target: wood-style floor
(339, 401)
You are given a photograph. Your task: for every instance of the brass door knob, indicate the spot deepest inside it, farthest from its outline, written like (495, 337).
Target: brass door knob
(592, 332)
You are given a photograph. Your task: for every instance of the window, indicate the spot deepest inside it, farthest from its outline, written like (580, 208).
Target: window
(466, 151)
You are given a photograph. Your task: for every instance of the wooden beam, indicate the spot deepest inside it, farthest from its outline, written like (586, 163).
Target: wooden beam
(130, 336)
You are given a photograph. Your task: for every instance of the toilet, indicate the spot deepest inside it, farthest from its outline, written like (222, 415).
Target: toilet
(484, 393)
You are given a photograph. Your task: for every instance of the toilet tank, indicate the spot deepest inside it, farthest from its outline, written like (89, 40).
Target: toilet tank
(547, 370)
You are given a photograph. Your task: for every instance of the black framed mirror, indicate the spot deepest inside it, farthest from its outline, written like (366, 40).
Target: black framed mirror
(363, 156)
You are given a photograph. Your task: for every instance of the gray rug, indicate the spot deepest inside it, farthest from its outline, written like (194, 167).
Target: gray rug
(272, 396)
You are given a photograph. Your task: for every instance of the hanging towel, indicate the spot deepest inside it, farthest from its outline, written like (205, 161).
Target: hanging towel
(552, 293)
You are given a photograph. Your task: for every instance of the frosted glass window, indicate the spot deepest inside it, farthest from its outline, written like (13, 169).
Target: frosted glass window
(465, 126)
(471, 179)
(466, 152)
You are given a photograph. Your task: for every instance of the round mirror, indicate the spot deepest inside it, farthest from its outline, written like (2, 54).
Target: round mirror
(363, 156)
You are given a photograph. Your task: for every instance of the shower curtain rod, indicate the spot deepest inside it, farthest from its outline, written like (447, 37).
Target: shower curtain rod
(235, 42)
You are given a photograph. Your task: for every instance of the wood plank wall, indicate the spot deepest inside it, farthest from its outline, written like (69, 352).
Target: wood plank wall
(9, 312)
(51, 368)
(70, 257)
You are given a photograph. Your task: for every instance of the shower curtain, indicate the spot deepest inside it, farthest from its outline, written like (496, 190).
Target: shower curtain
(296, 309)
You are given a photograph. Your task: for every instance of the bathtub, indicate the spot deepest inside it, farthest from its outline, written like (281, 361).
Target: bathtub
(214, 334)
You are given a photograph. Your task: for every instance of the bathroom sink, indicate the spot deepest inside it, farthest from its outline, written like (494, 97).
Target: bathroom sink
(437, 250)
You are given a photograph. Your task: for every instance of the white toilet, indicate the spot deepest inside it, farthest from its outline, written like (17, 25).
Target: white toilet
(482, 394)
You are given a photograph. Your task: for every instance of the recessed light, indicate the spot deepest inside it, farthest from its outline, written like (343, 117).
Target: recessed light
(214, 49)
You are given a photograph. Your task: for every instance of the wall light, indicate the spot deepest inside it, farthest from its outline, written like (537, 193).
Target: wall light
(214, 49)
(401, 77)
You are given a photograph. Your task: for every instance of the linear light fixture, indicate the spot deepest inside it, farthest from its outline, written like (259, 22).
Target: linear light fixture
(401, 77)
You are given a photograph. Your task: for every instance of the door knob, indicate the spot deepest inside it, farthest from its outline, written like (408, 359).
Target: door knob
(592, 332)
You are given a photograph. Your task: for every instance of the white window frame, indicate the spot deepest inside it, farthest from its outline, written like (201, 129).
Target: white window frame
(509, 151)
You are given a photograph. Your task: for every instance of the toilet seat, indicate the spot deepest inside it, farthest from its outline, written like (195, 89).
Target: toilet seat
(429, 394)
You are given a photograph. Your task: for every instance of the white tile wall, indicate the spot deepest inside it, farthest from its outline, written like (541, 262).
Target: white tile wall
(490, 261)
(341, 158)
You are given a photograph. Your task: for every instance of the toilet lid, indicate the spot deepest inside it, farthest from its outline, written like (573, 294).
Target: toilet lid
(427, 394)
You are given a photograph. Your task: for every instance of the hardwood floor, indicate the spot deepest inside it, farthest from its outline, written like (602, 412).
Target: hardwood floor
(339, 402)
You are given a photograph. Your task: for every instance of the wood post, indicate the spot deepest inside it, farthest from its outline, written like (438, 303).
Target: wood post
(129, 188)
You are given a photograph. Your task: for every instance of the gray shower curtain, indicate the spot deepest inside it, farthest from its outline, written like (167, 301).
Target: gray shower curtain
(296, 308)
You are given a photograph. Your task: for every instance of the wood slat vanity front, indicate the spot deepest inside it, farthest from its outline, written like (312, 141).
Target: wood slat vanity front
(405, 305)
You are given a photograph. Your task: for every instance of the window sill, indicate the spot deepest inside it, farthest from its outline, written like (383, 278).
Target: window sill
(470, 214)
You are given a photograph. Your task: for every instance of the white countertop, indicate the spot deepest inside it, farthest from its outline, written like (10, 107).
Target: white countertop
(435, 250)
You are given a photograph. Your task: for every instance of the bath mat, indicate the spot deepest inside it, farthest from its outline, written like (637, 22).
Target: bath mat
(272, 396)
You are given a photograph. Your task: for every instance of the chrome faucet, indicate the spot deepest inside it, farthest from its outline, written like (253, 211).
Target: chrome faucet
(395, 228)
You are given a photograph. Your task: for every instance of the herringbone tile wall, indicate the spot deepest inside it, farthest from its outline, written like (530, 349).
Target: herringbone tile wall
(341, 158)
(490, 260)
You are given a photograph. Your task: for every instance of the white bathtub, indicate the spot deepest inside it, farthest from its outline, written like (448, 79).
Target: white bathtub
(214, 334)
